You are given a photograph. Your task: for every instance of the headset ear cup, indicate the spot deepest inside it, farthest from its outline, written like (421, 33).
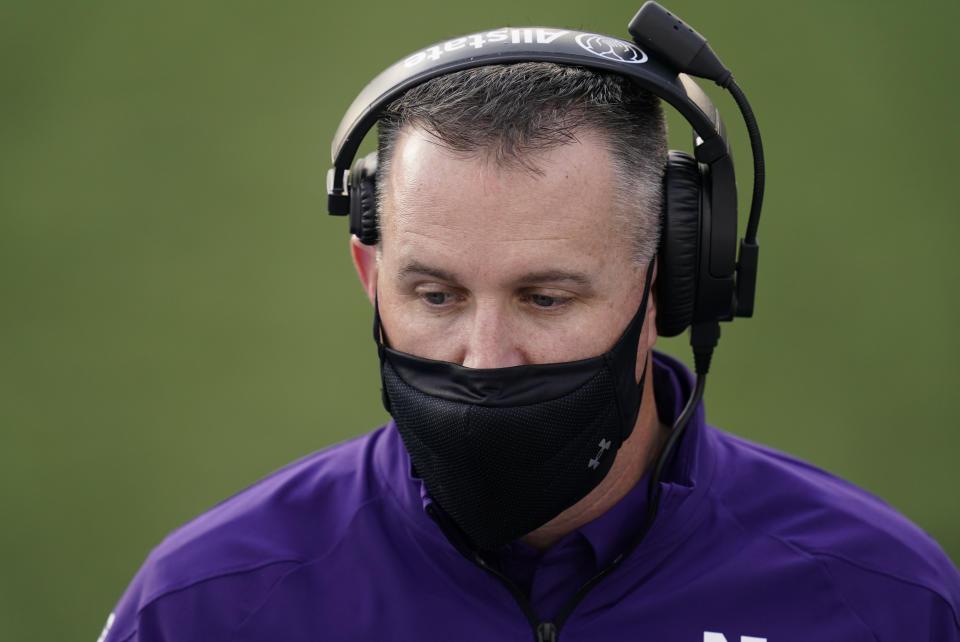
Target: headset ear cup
(363, 200)
(679, 244)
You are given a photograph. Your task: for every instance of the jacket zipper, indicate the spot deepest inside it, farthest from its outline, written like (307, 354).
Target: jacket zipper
(544, 631)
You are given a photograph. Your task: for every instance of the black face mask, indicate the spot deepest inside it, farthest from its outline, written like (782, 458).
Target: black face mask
(504, 450)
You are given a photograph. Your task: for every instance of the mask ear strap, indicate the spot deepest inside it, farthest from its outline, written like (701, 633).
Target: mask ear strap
(643, 375)
(631, 335)
(379, 335)
(648, 284)
(646, 360)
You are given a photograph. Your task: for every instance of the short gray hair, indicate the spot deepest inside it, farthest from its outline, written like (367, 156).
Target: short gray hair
(512, 110)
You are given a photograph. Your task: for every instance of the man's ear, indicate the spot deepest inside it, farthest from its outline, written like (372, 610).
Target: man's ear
(365, 261)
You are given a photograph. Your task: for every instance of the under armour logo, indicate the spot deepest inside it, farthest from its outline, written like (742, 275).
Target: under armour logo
(604, 447)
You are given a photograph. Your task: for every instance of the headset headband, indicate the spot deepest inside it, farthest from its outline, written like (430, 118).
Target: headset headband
(521, 44)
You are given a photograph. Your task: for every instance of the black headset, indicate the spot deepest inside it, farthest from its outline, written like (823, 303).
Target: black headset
(700, 281)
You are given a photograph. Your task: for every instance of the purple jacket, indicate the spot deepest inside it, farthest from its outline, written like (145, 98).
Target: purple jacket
(749, 545)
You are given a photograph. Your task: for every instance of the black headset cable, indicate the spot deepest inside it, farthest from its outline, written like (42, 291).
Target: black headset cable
(703, 338)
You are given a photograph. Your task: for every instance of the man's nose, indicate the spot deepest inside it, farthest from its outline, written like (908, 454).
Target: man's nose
(490, 340)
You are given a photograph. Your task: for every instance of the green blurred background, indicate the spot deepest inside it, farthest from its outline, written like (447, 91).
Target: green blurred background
(180, 317)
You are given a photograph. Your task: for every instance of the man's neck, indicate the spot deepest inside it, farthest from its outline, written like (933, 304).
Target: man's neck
(633, 460)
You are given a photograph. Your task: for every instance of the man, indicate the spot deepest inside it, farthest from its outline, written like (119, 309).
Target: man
(519, 212)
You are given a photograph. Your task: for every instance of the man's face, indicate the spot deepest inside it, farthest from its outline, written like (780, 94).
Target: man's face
(490, 266)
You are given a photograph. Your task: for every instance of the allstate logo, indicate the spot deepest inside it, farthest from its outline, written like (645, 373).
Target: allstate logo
(611, 48)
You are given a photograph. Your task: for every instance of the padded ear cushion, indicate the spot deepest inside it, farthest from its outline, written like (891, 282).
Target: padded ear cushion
(363, 200)
(679, 244)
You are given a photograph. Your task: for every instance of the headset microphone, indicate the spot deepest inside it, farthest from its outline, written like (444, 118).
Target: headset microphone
(678, 43)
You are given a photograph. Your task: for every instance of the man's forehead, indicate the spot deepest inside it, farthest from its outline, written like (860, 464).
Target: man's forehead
(424, 172)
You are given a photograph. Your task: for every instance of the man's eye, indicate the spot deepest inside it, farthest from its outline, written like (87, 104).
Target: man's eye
(436, 298)
(544, 301)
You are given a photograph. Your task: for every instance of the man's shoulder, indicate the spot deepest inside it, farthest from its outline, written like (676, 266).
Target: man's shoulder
(291, 517)
(319, 490)
(791, 499)
(856, 538)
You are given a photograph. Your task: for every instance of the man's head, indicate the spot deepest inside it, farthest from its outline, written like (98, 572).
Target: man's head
(519, 207)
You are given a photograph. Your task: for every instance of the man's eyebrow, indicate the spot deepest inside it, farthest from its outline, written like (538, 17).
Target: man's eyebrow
(416, 267)
(530, 278)
(553, 276)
